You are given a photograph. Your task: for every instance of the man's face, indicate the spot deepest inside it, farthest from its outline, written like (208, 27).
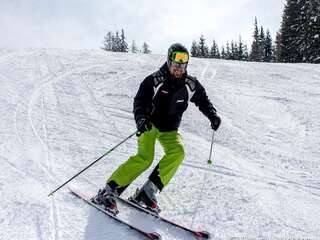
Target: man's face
(176, 71)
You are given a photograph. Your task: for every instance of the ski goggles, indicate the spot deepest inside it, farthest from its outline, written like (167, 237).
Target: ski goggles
(179, 57)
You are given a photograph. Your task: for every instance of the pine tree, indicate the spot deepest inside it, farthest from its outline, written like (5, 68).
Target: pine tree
(240, 50)
(195, 49)
(245, 53)
(290, 32)
(268, 52)
(278, 48)
(218, 56)
(274, 52)
(116, 43)
(145, 48)
(228, 52)
(123, 43)
(255, 52)
(261, 44)
(234, 51)
(214, 51)
(223, 53)
(299, 38)
(107, 43)
(309, 40)
(203, 49)
(134, 48)
(313, 50)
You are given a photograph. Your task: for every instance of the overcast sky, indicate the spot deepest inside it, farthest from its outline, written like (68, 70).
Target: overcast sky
(83, 23)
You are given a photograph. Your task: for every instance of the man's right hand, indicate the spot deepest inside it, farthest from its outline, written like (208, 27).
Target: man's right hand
(215, 121)
(143, 125)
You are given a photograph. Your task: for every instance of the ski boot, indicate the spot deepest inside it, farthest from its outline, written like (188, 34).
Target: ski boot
(146, 197)
(107, 197)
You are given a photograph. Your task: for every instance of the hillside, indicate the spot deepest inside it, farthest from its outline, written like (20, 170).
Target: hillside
(61, 109)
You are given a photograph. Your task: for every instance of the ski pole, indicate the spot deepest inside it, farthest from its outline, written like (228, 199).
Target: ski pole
(203, 182)
(51, 193)
(212, 140)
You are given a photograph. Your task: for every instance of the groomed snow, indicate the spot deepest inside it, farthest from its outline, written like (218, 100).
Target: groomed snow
(61, 109)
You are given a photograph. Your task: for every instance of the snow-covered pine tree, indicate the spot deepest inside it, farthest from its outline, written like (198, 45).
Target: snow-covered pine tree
(134, 48)
(145, 48)
(123, 43)
(218, 56)
(314, 40)
(195, 49)
(223, 53)
(214, 51)
(240, 49)
(107, 43)
(274, 52)
(228, 51)
(234, 50)
(203, 49)
(245, 53)
(290, 32)
(309, 40)
(116, 43)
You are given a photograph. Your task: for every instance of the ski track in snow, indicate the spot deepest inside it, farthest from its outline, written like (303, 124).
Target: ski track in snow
(35, 95)
(62, 108)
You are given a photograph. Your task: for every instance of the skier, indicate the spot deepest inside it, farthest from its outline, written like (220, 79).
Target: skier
(158, 108)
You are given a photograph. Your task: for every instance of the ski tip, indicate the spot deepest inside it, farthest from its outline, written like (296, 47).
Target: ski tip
(50, 194)
(154, 236)
(202, 235)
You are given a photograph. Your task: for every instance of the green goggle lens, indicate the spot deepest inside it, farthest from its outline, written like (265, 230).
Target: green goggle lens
(179, 57)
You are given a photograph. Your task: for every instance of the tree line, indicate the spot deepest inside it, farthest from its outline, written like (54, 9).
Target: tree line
(235, 50)
(262, 48)
(298, 39)
(115, 42)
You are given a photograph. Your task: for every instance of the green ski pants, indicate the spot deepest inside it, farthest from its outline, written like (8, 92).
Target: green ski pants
(137, 164)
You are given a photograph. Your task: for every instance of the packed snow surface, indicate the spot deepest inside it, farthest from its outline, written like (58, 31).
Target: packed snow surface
(62, 109)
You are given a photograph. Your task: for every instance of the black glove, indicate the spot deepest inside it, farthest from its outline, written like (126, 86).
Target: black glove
(215, 121)
(143, 125)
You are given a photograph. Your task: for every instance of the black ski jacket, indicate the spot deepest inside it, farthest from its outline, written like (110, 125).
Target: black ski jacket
(162, 99)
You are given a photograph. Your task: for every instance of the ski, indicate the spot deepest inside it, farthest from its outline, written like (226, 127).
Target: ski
(197, 234)
(148, 235)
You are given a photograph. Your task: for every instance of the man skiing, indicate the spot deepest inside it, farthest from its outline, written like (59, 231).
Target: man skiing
(158, 108)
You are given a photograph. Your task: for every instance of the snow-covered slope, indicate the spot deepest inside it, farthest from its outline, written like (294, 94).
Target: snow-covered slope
(61, 109)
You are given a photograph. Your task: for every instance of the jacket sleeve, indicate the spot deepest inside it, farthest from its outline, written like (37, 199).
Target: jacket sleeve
(143, 99)
(201, 100)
